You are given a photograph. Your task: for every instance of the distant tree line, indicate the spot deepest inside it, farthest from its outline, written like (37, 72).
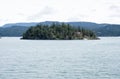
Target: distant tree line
(58, 32)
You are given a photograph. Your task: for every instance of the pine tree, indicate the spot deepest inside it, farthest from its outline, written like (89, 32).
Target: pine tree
(58, 31)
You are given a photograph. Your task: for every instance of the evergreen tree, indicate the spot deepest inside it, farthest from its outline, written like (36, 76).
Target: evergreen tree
(58, 31)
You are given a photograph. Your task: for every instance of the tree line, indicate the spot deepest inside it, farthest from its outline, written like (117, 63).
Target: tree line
(58, 32)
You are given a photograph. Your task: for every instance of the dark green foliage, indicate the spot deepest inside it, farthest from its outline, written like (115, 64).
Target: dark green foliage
(58, 31)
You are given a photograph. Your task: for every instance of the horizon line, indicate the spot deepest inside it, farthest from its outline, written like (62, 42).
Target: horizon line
(56, 21)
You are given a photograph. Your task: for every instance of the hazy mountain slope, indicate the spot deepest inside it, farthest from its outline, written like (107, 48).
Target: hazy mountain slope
(17, 29)
(13, 31)
(108, 30)
(20, 24)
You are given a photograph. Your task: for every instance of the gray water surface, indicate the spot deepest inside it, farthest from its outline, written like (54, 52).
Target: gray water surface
(60, 59)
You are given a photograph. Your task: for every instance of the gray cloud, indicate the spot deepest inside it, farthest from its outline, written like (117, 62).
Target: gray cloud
(115, 11)
(78, 17)
(115, 8)
(43, 12)
(3, 20)
(115, 16)
(20, 14)
(73, 19)
(93, 10)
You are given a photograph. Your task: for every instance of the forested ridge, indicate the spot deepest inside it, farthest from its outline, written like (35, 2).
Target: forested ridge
(17, 29)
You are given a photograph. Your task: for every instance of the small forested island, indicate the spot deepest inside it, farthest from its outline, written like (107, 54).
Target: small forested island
(58, 32)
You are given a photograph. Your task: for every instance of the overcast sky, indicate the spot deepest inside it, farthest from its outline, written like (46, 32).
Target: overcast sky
(99, 11)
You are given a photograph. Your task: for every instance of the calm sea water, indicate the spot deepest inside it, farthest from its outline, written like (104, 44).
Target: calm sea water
(65, 59)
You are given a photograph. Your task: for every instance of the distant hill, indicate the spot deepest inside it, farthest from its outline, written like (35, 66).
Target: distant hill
(17, 29)
(108, 30)
(13, 31)
(20, 24)
(83, 24)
